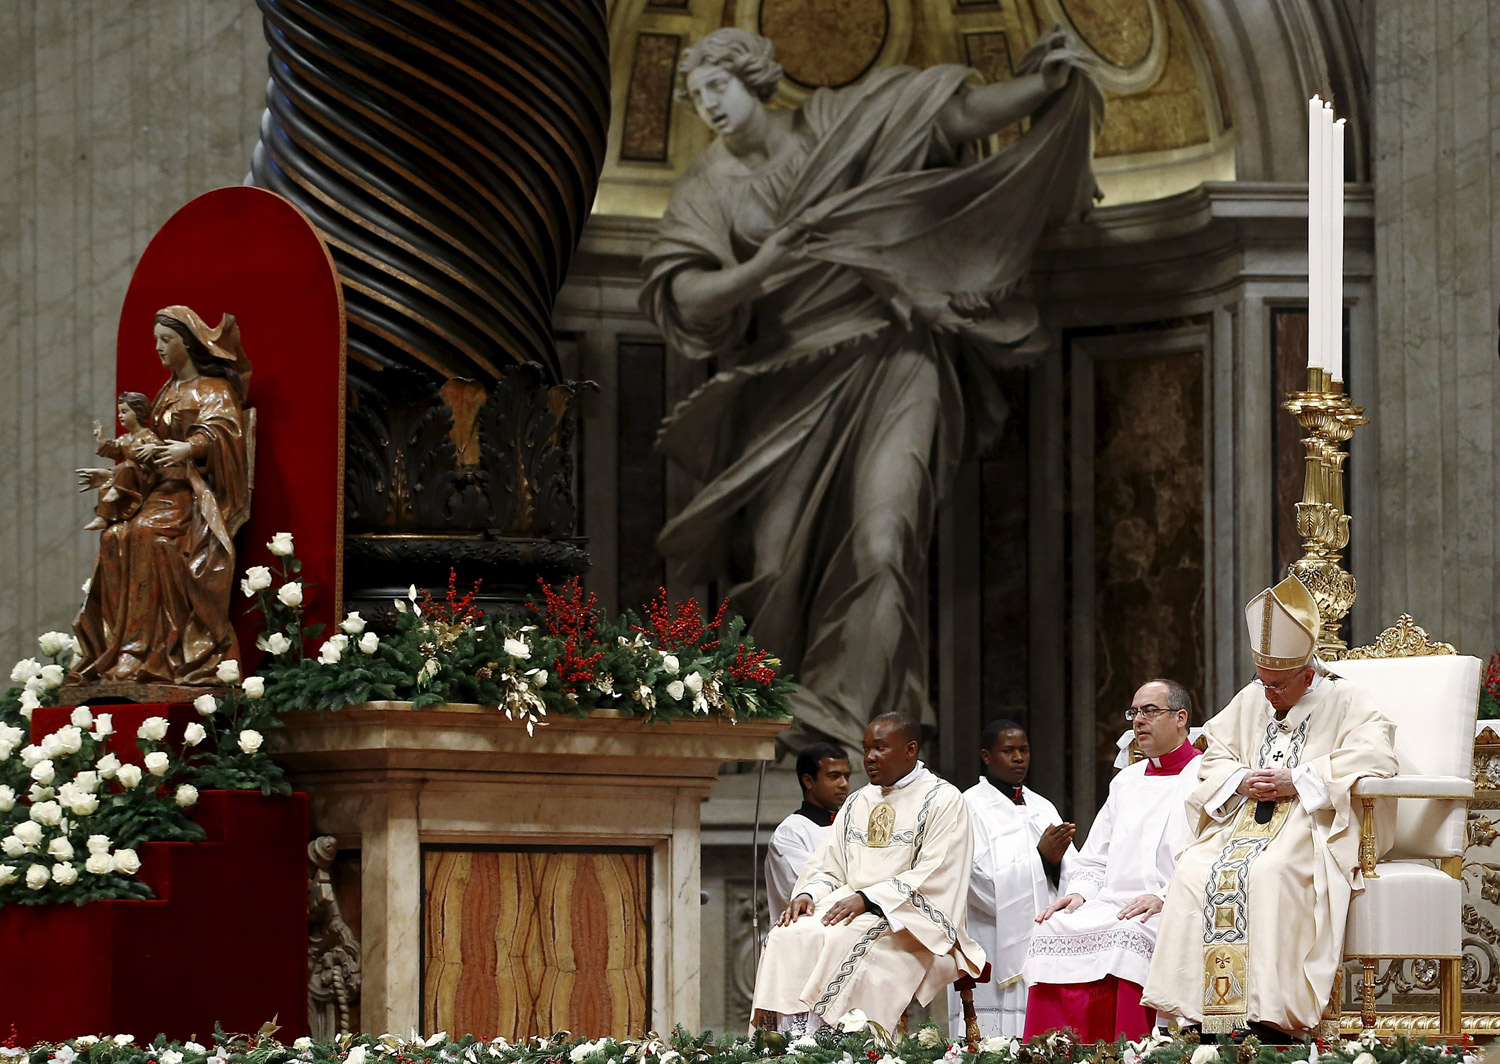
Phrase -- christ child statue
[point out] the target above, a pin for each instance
(132, 478)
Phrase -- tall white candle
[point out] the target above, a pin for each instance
(1336, 271)
(1316, 232)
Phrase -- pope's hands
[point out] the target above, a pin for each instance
(802, 905)
(845, 910)
(1267, 784)
(1067, 903)
(1146, 906)
(1054, 842)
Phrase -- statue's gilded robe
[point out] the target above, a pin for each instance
(1253, 926)
(919, 880)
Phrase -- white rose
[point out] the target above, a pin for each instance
(12, 846)
(64, 874)
(104, 726)
(87, 781)
(257, 578)
(157, 763)
(51, 747)
(290, 594)
(695, 684)
(108, 765)
(354, 623)
(69, 740)
(275, 643)
(99, 843)
(186, 795)
(47, 813)
(26, 669)
(153, 728)
(129, 776)
(7, 798)
(250, 740)
(39, 793)
(29, 832)
(43, 772)
(83, 804)
(29, 702)
(675, 689)
(356, 1055)
(37, 876)
(517, 648)
(205, 705)
(1363, 1058)
(670, 664)
(194, 734)
(169, 1056)
(255, 686)
(1205, 1053)
(228, 671)
(368, 643)
(127, 862)
(929, 1037)
(36, 685)
(55, 644)
(81, 717)
(302, 1043)
(330, 653)
(280, 544)
(60, 848)
(7, 875)
(99, 864)
(539, 677)
(32, 755)
(52, 676)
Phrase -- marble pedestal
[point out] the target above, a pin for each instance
(415, 791)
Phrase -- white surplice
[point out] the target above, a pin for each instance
(793, 844)
(1008, 888)
(1131, 850)
(918, 879)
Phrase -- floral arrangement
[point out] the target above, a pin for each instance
(850, 1043)
(72, 814)
(1489, 689)
(559, 654)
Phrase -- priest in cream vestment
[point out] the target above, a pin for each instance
(1253, 926)
(878, 915)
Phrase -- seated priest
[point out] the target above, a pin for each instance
(1254, 922)
(1091, 950)
(823, 770)
(878, 915)
(1022, 848)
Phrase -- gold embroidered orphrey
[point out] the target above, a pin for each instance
(882, 826)
(1226, 930)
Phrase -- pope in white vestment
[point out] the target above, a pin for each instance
(1253, 929)
(879, 915)
(1011, 881)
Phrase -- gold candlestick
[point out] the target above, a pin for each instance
(1329, 419)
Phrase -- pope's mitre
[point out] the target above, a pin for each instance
(1283, 624)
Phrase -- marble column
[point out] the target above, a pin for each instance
(1437, 244)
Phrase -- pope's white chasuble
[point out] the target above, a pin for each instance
(919, 879)
(1008, 887)
(1130, 851)
(1253, 927)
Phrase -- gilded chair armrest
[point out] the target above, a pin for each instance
(1414, 786)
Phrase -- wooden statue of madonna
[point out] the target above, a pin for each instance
(157, 607)
(852, 266)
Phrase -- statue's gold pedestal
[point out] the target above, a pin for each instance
(513, 884)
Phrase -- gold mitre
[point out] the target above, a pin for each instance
(1283, 624)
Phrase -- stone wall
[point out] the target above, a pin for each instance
(1437, 243)
(116, 114)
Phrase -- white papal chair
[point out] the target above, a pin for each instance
(1412, 903)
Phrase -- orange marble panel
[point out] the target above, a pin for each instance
(1171, 113)
(524, 942)
(805, 32)
(648, 102)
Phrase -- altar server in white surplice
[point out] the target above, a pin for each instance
(1022, 848)
(878, 915)
(823, 771)
(1253, 931)
(1092, 947)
